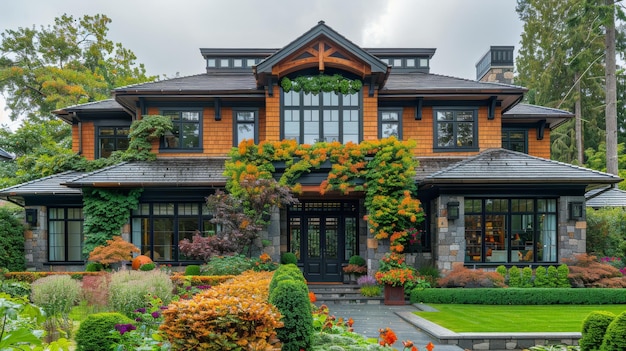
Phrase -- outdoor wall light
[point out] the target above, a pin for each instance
(31, 216)
(453, 210)
(576, 210)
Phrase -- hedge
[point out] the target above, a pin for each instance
(519, 296)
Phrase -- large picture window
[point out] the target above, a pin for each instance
(456, 129)
(186, 132)
(510, 230)
(65, 234)
(310, 118)
(157, 228)
(112, 139)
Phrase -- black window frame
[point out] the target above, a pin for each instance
(178, 126)
(115, 137)
(398, 122)
(236, 123)
(65, 220)
(455, 123)
(506, 139)
(321, 107)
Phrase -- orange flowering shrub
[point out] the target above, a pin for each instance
(179, 279)
(387, 337)
(396, 276)
(235, 315)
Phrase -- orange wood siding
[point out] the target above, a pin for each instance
(85, 134)
(271, 125)
(539, 148)
(370, 115)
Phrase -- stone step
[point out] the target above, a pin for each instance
(341, 294)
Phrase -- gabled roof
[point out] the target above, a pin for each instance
(501, 166)
(321, 29)
(5, 155)
(529, 113)
(187, 172)
(606, 197)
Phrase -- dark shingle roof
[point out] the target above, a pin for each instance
(507, 167)
(171, 172)
(428, 82)
(102, 105)
(50, 185)
(204, 83)
(606, 197)
(527, 110)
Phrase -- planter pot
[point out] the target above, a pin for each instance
(394, 295)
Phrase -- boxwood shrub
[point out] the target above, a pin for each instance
(594, 328)
(96, 331)
(615, 336)
(519, 296)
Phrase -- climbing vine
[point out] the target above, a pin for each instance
(107, 210)
(383, 169)
(322, 83)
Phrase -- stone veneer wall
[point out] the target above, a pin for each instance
(36, 241)
(499, 75)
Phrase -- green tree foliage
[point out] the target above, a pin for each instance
(596, 159)
(606, 228)
(291, 297)
(51, 67)
(563, 40)
(68, 63)
(11, 241)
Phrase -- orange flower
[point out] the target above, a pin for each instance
(350, 322)
(387, 336)
(312, 297)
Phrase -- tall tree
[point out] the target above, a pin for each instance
(611, 87)
(41, 70)
(68, 63)
(562, 47)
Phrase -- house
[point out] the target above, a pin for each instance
(5, 156)
(490, 192)
(606, 197)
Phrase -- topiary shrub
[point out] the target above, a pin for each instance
(515, 277)
(501, 269)
(291, 297)
(357, 260)
(615, 336)
(593, 330)
(192, 269)
(562, 277)
(286, 272)
(552, 277)
(541, 278)
(288, 257)
(11, 242)
(147, 267)
(94, 333)
(527, 277)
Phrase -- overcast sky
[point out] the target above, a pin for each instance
(166, 35)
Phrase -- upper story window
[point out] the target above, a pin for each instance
(111, 139)
(186, 132)
(389, 123)
(456, 128)
(406, 62)
(515, 139)
(309, 118)
(231, 62)
(246, 126)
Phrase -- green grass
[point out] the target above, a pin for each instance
(491, 318)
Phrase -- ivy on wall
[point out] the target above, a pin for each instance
(322, 83)
(383, 169)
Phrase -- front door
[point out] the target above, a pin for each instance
(323, 236)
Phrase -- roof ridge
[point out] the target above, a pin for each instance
(160, 80)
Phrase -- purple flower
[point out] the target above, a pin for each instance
(203, 287)
(141, 310)
(138, 319)
(156, 314)
(163, 307)
(188, 288)
(123, 328)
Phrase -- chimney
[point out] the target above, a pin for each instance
(496, 66)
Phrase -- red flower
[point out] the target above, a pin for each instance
(387, 336)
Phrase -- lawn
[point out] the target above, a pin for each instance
(490, 318)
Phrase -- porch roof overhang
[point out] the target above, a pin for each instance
(502, 168)
(165, 172)
(43, 187)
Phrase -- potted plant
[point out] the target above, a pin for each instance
(355, 268)
(394, 274)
